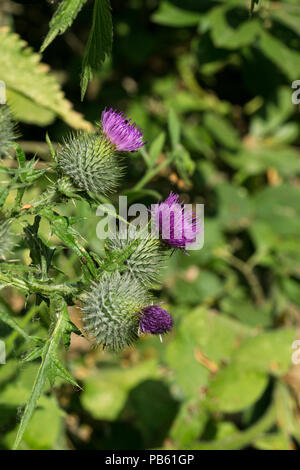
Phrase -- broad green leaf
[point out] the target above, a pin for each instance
(235, 388)
(267, 352)
(189, 423)
(39, 436)
(23, 73)
(28, 111)
(227, 36)
(64, 16)
(202, 332)
(99, 43)
(106, 391)
(279, 207)
(235, 207)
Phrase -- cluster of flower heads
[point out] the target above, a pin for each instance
(118, 307)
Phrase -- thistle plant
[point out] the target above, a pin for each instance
(7, 131)
(116, 292)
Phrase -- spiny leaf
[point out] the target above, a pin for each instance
(49, 367)
(63, 18)
(61, 227)
(99, 43)
(22, 72)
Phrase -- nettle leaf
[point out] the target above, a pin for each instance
(99, 43)
(64, 16)
(24, 75)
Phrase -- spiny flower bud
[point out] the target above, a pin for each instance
(122, 133)
(91, 163)
(155, 320)
(6, 238)
(112, 310)
(7, 131)
(141, 256)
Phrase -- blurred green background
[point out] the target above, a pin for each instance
(211, 87)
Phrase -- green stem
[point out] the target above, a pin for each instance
(150, 174)
(38, 287)
(241, 439)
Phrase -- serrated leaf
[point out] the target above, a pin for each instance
(21, 70)
(99, 43)
(64, 16)
(49, 367)
(58, 370)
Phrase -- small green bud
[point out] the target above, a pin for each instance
(141, 257)
(112, 310)
(91, 162)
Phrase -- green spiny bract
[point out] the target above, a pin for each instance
(6, 238)
(91, 162)
(143, 259)
(112, 310)
(7, 131)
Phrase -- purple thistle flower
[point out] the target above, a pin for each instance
(176, 226)
(122, 133)
(155, 320)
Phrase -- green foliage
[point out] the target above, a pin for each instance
(63, 17)
(7, 131)
(99, 43)
(28, 79)
(112, 309)
(210, 83)
(91, 163)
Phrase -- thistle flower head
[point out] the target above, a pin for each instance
(142, 257)
(6, 238)
(176, 226)
(112, 310)
(91, 163)
(121, 132)
(7, 131)
(155, 320)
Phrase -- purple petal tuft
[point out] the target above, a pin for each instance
(177, 227)
(155, 320)
(123, 133)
